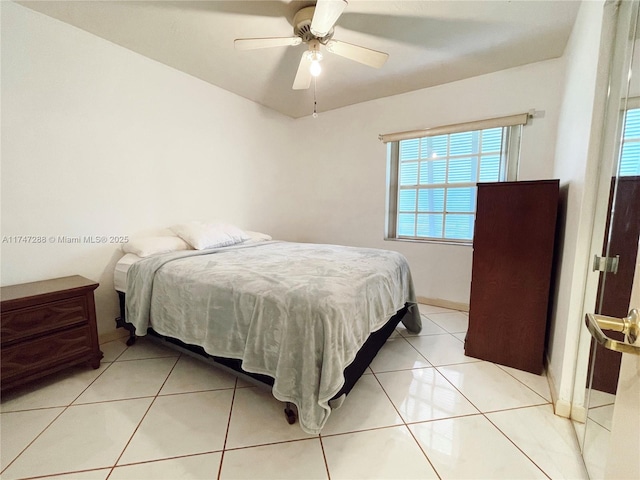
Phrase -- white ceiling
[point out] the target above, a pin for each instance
(428, 42)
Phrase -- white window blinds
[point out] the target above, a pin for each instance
(630, 152)
(432, 178)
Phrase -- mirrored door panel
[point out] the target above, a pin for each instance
(620, 191)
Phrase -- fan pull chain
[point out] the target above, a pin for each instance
(315, 102)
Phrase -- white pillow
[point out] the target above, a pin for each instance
(147, 246)
(209, 235)
(258, 237)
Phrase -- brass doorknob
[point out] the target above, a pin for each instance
(629, 325)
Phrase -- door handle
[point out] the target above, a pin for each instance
(629, 325)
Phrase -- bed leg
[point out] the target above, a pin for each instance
(290, 413)
(120, 323)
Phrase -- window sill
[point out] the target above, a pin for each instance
(436, 242)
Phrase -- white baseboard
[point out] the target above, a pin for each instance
(579, 413)
(438, 302)
(562, 408)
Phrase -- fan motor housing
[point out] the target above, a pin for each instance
(302, 26)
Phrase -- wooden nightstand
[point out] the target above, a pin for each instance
(47, 326)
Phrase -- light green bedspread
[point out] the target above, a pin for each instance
(296, 312)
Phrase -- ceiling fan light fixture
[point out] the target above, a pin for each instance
(315, 68)
(314, 56)
(314, 26)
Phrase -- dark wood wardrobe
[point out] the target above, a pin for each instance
(513, 248)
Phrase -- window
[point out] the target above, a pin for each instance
(630, 155)
(432, 179)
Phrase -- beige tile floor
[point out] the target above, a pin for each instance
(422, 410)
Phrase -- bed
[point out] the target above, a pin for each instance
(306, 319)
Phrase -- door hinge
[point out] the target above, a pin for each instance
(606, 264)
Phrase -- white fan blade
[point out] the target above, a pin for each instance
(303, 77)
(254, 43)
(326, 15)
(373, 58)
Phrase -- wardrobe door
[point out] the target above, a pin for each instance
(512, 261)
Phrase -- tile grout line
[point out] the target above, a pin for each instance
(417, 351)
(515, 445)
(597, 423)
(74, 399)
(133, 434)
(146, 358)
(120, 354)
(60, 475)
(480, 412)
(484, 414)
(517, 379)
(545, 401)
(324, 456)
(444, 313)
(423, 452)
(421, 368)
(404, 422)
(441, 334)
(226, 435)
(277, 442)
(457, 389)
(64, 409)
(406, 425)
(158, 460)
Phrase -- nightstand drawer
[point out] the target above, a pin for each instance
(47, 326)
(45, 354)
(31, 321)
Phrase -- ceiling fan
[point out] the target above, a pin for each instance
(314, 26)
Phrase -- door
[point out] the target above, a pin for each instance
(621, 246)
(625, 427)
(621, 189)
(612, 436)
(617, 229)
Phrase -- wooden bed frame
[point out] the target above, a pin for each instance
(351, 374)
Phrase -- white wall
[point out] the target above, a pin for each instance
(340, 172)
(98, 140)
(577, 160)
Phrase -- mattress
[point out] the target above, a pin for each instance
(297, 313)
(121, 269)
